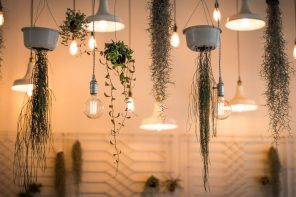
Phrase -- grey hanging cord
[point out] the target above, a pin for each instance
(295, 17)
(38, 13)
(93, 34)
(130, 23)
(175, 12)
(115, 32)
(31, 13)
(238, 55)
(195, 8)
(74, 5)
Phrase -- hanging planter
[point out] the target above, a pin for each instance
(276, 71)
(119, 64)
(203, 96)
(201, 37)
(40, 38)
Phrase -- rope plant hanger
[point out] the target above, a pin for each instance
(34, 135)
(120, 65)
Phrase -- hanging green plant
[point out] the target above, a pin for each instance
(171, 185)
(60, 175)
(275, 169)
(201, 107)
(119, 64)
(276, 71)
(160, 25)
(152, 186)
(32, 189)
(33, 128)
(74, 28)
(77, 164)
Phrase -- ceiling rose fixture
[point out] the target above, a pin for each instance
(245, 20)
(156, 121)
(103, 20)
(241, 103)
(24, 84)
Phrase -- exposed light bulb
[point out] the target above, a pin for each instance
(92, 43)
(73, 48)
(30, 91)
(175, 40)
(1, 18)
(102, 25)
(294, 51)
(217, 15)
(130, 105)
(94, 108)
(223, 110)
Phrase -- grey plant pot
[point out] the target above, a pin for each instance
(201, 37)
(40, 38)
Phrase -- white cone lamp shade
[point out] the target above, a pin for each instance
(156, 121)
(240, 103)
(103, 20)
(24, 84)
(245, 20)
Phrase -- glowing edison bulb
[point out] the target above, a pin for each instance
(217, 15)
(102, 25)
(130, 105)
(223, 110)
(294, 51)
(1, 18)
(94, 108)
(92, 43)
(175, 39)
(73, 48)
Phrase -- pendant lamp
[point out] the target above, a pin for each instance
(157, 121)
(24, 84)
(241, 103)
(245, 20)
(104, 21)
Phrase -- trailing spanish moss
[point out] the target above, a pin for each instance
(77, 164)
(276, 72)
(275, 169)
(33, 128)
(60, 175)
(160, 24)
(201, 107)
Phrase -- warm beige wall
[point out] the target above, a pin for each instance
(69, 76)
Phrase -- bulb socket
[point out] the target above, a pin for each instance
(93, 86)
(220, 89)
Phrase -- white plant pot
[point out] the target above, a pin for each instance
(40, 38)
(201, 37)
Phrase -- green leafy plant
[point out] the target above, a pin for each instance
(201, 106)
(32, 189)
(152, 183)
(60, 175)
(275, 169)
(119, 64)
(160, 25)
(34, 134)
(171, 184)
(73, 27)
(77, 164)
(276, 71)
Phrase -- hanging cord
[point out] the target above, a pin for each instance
(175, 13)
(219, 61)
(38, 13)
(1, 7)
(31, 13)
(205, 10)
(295, 17)
(217, 7)
(74, 5)
(238, 48)
(93, 34)
(130, 23)
(115, 32)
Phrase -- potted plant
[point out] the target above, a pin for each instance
(152, 186)
(73, 28)
(171, 185)
(77, 165)
(203, 95)
(32, 189)
(275, 171)
(119, 64)
(276, 71)
(60, 175)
